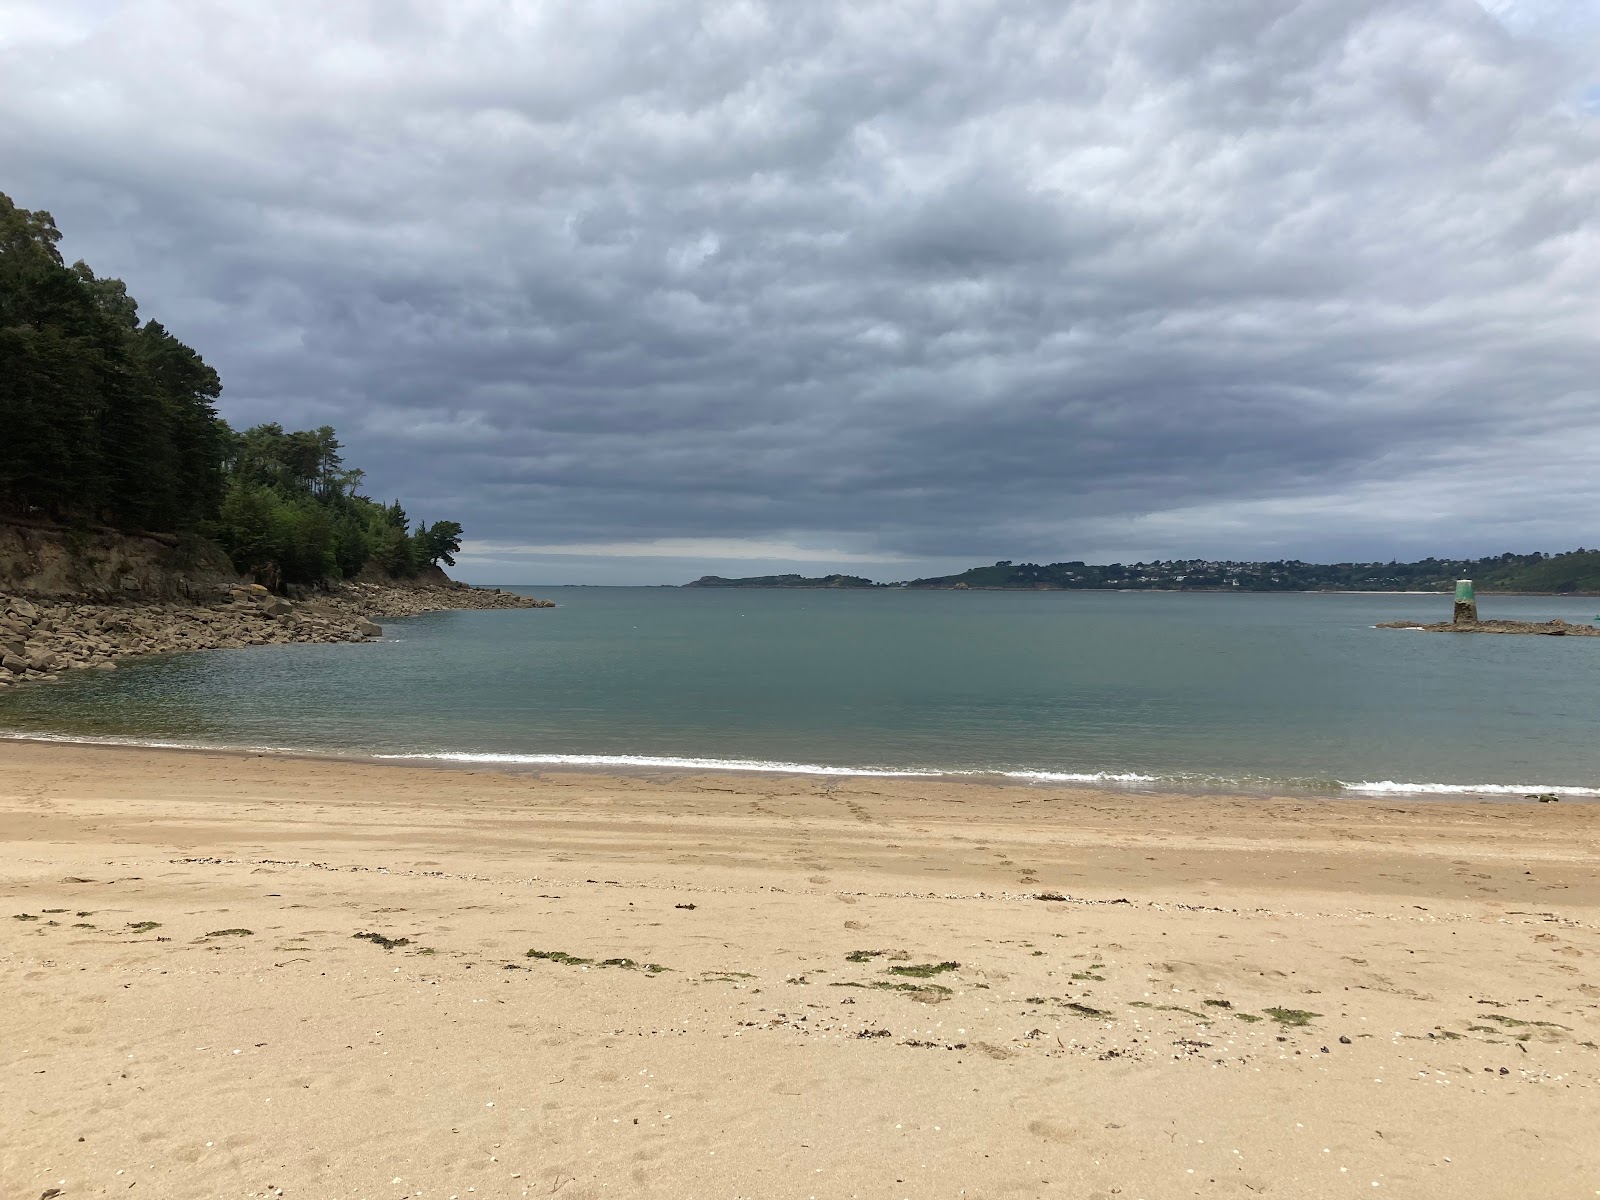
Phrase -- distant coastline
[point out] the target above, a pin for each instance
(786, 581)
(1160, 591)
(1573, 573)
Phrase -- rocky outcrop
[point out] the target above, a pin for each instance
(1555, 628)
(40, 639)
(44, 560)
(381, 600)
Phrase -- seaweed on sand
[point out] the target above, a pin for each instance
(560, 956)
(573, 960)
(1291, 1017)
(388, 943)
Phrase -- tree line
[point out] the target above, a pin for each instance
(112, 420)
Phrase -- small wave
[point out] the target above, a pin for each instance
(1388, 787)
(649, 760)
(770, 766)
(1072, 776)
(139, 743)
(1134, 779)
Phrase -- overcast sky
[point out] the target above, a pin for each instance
(647, 289)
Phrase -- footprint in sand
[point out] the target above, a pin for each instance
(1053, 1131)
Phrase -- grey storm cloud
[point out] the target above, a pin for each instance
(868, 280)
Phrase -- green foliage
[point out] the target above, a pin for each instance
(438, 542)
(393, 550)
(247, 526)
(291, 513)
(1576, 571)
(303, 537)
(107, 419)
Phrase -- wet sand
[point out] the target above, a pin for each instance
(769, 986)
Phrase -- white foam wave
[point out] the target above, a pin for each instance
(1073, 776)
(763, 766)
(651, 760)
(137, 743)
(1388, 787)
(1383, 787)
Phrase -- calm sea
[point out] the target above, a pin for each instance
(1257, 691)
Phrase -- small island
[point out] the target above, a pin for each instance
(1465, 620)
(1555, 628)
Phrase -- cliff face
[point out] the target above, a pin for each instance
(41, 560)
(429, 576)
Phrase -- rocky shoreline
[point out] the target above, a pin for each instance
(1555, 628)
(43, 637)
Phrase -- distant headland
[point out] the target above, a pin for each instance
(1576, 572)
(785, 581)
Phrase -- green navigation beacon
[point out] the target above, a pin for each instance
(1466, 603)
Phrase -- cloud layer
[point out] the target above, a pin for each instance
(867, 281)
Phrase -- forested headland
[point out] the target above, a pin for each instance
(1574, 571)
(1577, 571)
(107, 420)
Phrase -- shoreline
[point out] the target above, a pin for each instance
(115, 633)
(752, 773)
(231, 974)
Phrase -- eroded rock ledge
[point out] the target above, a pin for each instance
(1555, 628)
(41, 639)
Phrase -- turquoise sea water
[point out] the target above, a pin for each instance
(1269, 691)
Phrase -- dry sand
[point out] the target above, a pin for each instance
(188, 1010)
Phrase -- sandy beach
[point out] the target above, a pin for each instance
(245, 976)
